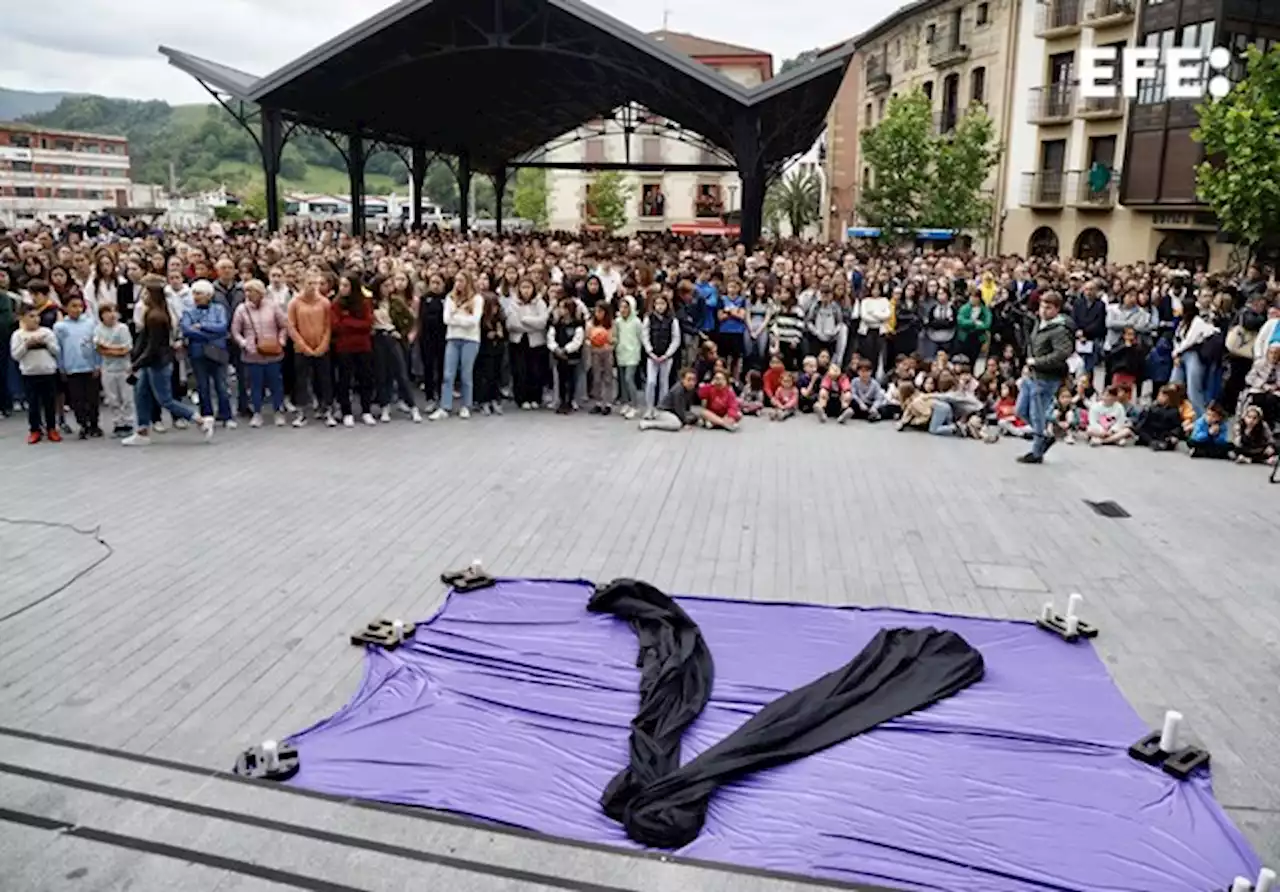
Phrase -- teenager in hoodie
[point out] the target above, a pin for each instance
(679, 407)
(627, 349)
(527, 317)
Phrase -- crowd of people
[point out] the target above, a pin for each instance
(312, 325)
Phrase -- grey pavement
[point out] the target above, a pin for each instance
(238, 569)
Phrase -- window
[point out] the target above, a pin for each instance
(67, 169)
(957, 18)
(1152, 91)
(707, 202)
(1053, 155)
(866, 178)
(652, 202)
(93, 171)
(92, 148)
(67, 193)
(869, 117)
(22, 167)
(1060, 67)
(64, 145)
(978, 85)
(930, 33)
(983, 15)
(927, 89)
(950, 102)
(880, 110)
(1102, 150)
(21, 140)
(25, 191)
(897, 48)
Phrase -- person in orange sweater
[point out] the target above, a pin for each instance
(310, 327)
(351, 318)
(719, 403)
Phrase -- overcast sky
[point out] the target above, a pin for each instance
(109, 47)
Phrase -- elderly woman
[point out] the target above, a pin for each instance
(205, 326)
(1263, 383)
(260, 329)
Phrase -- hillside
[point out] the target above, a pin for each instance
(16, 104)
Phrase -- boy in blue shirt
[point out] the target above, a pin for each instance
(78, 364)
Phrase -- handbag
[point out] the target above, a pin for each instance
(216, 354)
(264, 348)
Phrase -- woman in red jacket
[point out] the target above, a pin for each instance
(352, 315)
(719, 403)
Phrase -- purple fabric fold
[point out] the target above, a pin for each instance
(513, 705)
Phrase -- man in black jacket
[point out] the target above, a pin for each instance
(1048, 349)
(1089, 316)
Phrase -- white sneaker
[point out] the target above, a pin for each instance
(289, 406)
(230, 424)
(438, 415)
(405, 407)
(526, 406)
(330, 421)
(368, 419)
(497, 408)
(348, 421)
(487, 408)
(464, 413)
(386, 415)
(206, 426)
(159, 428)
(280, 422)
(181, 424)
(136, 440)
(300, 421)
(416, 415)
(255, 421)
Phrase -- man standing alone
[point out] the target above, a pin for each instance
(1050, 346)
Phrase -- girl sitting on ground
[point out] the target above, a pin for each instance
(1160, 426)
(720, 407)
(753, 394)
(917, 407)
(834, 396)
(1066, 418)
(1255, 444)
(785, 398)
(1006, 411)
(1108, 420)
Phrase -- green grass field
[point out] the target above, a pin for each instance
(239, 175)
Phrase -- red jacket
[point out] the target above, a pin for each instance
(720, 401)
(352, 334)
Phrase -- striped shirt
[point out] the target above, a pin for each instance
(788, 327)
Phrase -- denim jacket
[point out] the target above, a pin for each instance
(212, 319)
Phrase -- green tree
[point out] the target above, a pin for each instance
(803, 58)
(797, 198)
(899, 152)
(608, 203)
(255, 204)
(962, 160)
(1240, 133)
(530, 196)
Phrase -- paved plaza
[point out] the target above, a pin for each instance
(236, 571)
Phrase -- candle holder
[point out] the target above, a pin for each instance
(384, 633)
(1068, 627)
(259, 763)
(471, 579)
(1161, 748)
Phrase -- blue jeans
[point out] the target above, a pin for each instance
(1035, 398)
(211, 378)
(154, 384)
(271, 375)
(1090, 359)
(755, 353)
(459, 360)
(1191, 372)
(942, 421)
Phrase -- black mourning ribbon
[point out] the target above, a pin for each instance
(664, 805)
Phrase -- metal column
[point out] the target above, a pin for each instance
(272, 147)
(464, 192)
(355, 171)
(418, 171)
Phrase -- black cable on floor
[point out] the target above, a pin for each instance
(97, 537)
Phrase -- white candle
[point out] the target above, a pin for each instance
(1169, 734)
(1046, 613)
(1240, 884)
(476, 566)
(271, 750)
(1266, 879)
(398, 628)
(1073, 604)
(1073, 625)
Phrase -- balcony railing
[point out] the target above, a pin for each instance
(1108, 13)
(1058, 18)
(878, 79)
(1051, 104)
(1094, 191)
(1044, 189)
(1097, 108)
(947, 49)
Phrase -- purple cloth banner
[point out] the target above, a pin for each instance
(513, 705)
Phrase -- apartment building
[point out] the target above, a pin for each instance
(690, 203)
(1115, 178)
(46, 173)
(957, 52)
